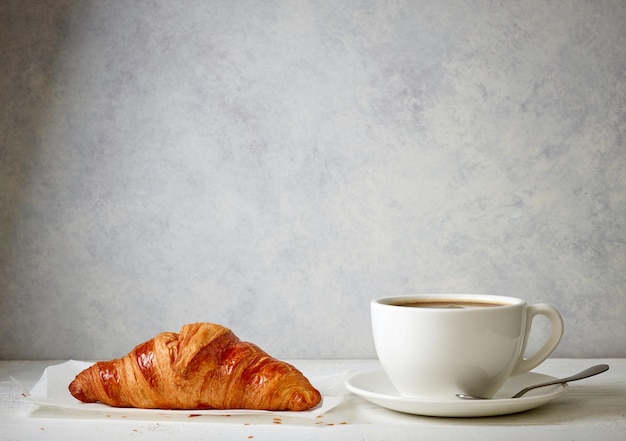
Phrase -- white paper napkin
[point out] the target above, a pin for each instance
(52, 391)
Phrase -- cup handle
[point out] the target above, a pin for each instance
(556, 332)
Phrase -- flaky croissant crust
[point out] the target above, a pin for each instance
(204, 366)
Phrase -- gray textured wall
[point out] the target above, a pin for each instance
(274, 165)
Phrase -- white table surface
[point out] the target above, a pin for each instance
(592, 409)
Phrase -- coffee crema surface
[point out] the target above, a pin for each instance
(448, 304)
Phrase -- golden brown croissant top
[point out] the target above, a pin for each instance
(205, 366)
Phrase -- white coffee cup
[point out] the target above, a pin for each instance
(435, 351)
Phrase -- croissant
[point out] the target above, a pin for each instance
(205, 366)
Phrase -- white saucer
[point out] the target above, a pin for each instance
(376, 387)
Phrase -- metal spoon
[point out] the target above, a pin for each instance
(594, 370)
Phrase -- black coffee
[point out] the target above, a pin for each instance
(448, 304)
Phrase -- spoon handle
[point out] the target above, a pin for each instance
(594, 370)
